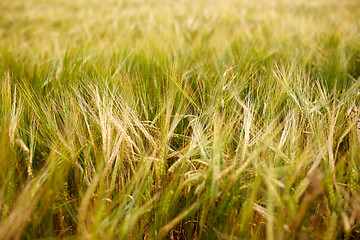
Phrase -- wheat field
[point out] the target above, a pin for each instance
(189, 119)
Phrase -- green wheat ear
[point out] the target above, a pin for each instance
(331, 194)
(167, 202)
(354, 180)
(9, 200)
(203, 217)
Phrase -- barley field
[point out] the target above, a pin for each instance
(188, 119)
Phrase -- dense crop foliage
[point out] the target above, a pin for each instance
(179, 119)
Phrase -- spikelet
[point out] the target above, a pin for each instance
(175, 165)
(354, 180)
(167, 202)
(10, 197)
(331, 194)
(300, 189)
(162, 167)
(24, 148)
(234, 198)
(225, 203)
(330, 231)
(203, 216)
(65, 190)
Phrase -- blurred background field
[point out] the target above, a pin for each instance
(179, 119)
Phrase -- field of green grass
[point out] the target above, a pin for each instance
(189, 119)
